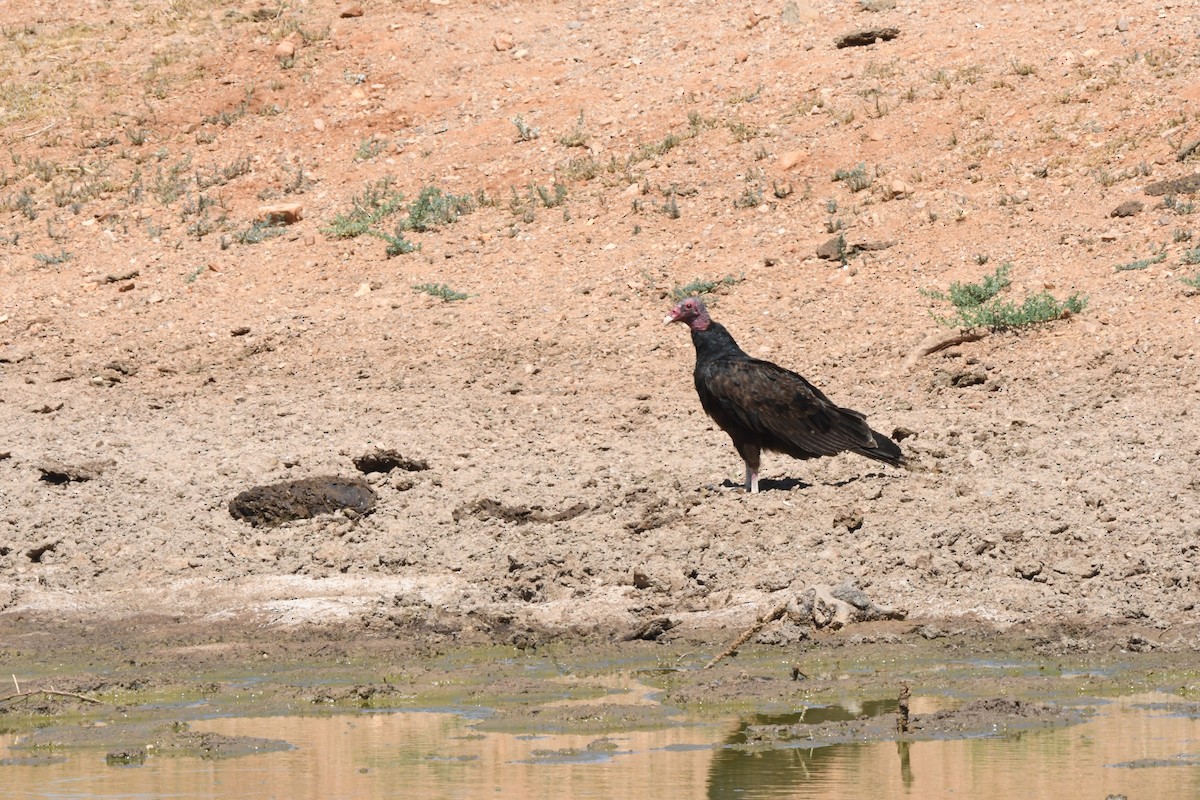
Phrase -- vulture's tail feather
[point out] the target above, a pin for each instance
(885, 450)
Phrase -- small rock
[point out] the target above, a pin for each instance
(796, 13)
(849, 593)
(350, 12)
(318, 124)
(897, 189)
(11, 355)
(1122, 24)
(1140, 644)
(789, 159)
(962, 380)
(1127, 209)
(503, 41)
(1028, 570)
(283, 214)
(285, 50)
(834, 249)
(1110, 236)
(740, 57)
(930, 632)
(849, 518)
(1078, 569)
(652, 630)
(46, 408)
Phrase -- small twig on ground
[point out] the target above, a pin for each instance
(940, 341)
(43, 129)
(774, 614)
(32, 692)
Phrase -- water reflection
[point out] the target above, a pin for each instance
(434, 755)
(769, 772)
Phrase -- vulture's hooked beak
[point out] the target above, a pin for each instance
(672, 317)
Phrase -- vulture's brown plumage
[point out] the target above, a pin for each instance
(763, 406)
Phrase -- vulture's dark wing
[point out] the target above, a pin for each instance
(762, 402)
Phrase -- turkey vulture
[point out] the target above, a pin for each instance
(763, 406)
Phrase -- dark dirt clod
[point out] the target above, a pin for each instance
(56, 472)
(849, 518)
(866, 37)
(487, 508)
(1186, 185)
(651, 630)
(388, 460)
(301, 499)
(130, 755)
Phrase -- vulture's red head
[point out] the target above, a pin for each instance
(692, 312)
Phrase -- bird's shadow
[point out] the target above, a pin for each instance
(771, 484)
(788, 484)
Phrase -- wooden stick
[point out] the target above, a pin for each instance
(940, 341)
(774, 614)
(32, 692)
(55, 122)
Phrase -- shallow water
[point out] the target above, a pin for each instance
(1140, 747)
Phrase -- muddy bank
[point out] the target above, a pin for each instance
(992, 717)
(564, 685)
(131, 743)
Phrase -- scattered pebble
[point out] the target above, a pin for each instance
(282, 214)
(789, 159)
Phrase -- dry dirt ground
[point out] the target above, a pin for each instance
(160, 352)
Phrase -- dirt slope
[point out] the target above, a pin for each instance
(157, 341)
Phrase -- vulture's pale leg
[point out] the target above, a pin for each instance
(751, 480)
(751, 454)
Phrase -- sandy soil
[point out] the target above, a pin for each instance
(160, 354)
